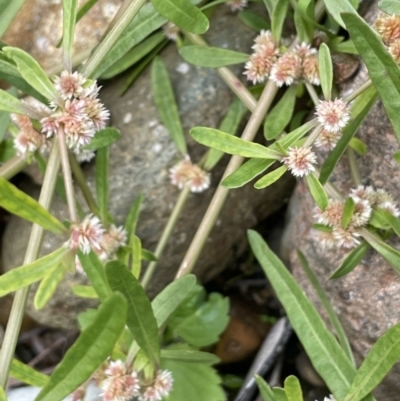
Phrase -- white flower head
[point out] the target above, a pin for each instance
(29, 141)
(300, 161)
(163, 382)
(69, 85)
(332, 215)
(287, 69)
(237, 5)
(171, 31)
(346, 238)
(333, 115)
(362, 212)
(327, 140)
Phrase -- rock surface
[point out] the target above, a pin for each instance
(139, 163)
(368, 299)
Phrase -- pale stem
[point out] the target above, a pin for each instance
(76, 60)
(313, 136)
(173, 218)
(221, 193)
(12, 167)
(81, 181)
(110, 39)
(32, 252)
(354, 170)
(66, 169)
(313, 94)
(357, 92)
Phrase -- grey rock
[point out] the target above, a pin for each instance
(139, 163)
(368, 299)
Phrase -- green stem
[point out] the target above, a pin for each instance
(12, 167)
(313, 94)
(32, 252)
(313, 136)
(357, 92)
(81, 181)
(221, 193)
(354, 170)
(110, 39)
(173, 218)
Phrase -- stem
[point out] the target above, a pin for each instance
(358, 91)
(81, 181)
(76, 60)
(32, 252)
(66, 168)
(12, 167)
(173, 218)
(115, 32)
(312, 92)
(354, 170)
(221, 193)
(313, 136)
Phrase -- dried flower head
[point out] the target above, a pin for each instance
(388, 26)
(287, 69)
(310, 69)
(362, 212)
(163, 382)
(333, 114)
(113, 238)
(21, 120)
(394, 50)
(257, 68)
(300, 161)
(326, 239)
(364, 192)
(83, 155)
(150, 394)
(69, 85)
(29, 141)
(265, 39)
(171, 31)
(346, 238)
(332, 215)
(185, 172)
(327, 140)
(385, 201)
(237, 5)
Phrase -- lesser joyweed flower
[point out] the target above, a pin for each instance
(171, 31)
(237, 5)
(333, 115)
(300, 161)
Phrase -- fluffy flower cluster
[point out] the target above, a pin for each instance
(237, 5)
(333, 115)
(300, 161)
(388, 26)
(286, 69)
(185, 172)
(79, 112)
(365, 200)
(122, 384)
(327, 140)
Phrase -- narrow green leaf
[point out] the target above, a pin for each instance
(317, 191)
(89, 351)
(351, 262)
(2, 395)
(165, 303)
(132, 219)
(8, 11)
(358, 145)
(7, 149)
(22, 205)
(378, 221)
(327, 357)
(279, 394)
(103, 138)
(271, 177)
(23, 276)
(48, 285)
(376, 365)
(246, 172)
(293, 389)
(340, 333)
(279, 117)
(348, 211)
(232, 145)
(27, 374)
(292, 137)
(167, 108)
(183, 14)
(266, 392)
(102, 181)
(190, 356)
(85, 291)
(278, 17)
(140, 318)
(148, 255)
(85, 8)
(393, 221)
(270, 5)
(337, 7)
(136, 256)
(212, 57)
(10, 103)
(359, 110)
(32, 72)
(253, 21)
(304, 19)
(325, 69)
(69, 18)
(390, 6)
(383, 70)
(397, 156)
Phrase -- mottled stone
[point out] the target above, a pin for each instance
(368, 299)
(139, 163)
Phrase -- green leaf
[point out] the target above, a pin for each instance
(325, 70)
(8, 11)
(246, 172)
(167, 108)
(337, 7)
(279, 394)
(183, 14)
(85, 291)
(103, 138)
(89, 351)
(397, 156)
(189, 356)
(69, 18)
(32, 72)
(102, 157)
(212, 57)
(393, 221)
(291, 138)
(270, 5)
(149, 256)
(340, 333)
(232, 145)
(25, 275)
(327, 357)
(11, 104)
(278, 18)
(376, 365)
(2, 395)
(266, 392)
(304, 19)
(279, 117)
(348, 211)
(253, 21)
(359, 110)
(140, 318)
(293, 389)
(28, 375)
(351, 262)
(94, 269)
(22, 205)
(166, 302)
(358, 145)
(136, 257)
(383, 70)
(48, 285)
(317, 191)
(270, 178)
(7, 150)
(133, 216)
(390, 6)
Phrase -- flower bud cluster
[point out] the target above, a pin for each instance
(333, 115)
(122, 384)
(237, 5)
(365, 200)
(300, 161)
(388, 26)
